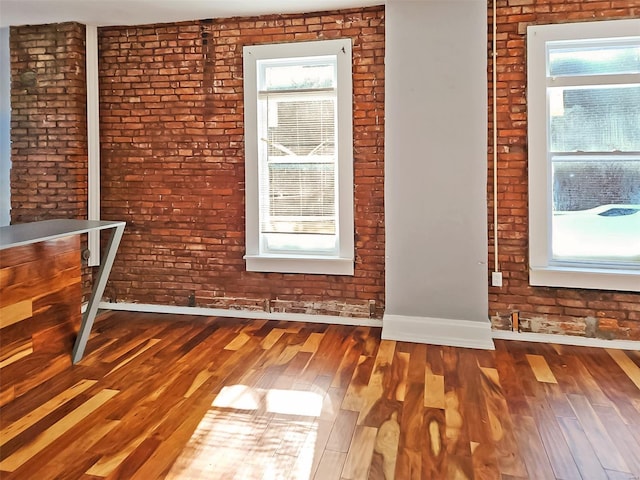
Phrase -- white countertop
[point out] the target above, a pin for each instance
(27, 233)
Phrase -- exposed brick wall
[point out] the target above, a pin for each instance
(49, 125)
(48, 122)
(173, 163)
(172, 146)
(591, 313)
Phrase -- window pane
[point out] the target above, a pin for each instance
(297, 77)
(596, 210)
(298, 190)
(301, 198)
(300, 126)
(603, 119)
(299, 242)
(596, 60)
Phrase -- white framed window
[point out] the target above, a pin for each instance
(584, 154)
(299, 157)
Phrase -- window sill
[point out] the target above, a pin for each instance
(592, 278)
(299, 264)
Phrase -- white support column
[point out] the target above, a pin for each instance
(436, 173)
(5, 128)
(93, 140)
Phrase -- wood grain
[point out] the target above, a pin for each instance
(358, 460)
(433, 391)
(162, 396)
(597, 434)
(541, 369)
(627, 365)
(554, 442)
(40, 299)
(331, 465)
(50, 435)
(581, 450)
(34, 416)
(16, 312)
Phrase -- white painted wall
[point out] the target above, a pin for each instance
(5, 126)
(436, 168)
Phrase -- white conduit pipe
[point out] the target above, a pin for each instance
(496, 267)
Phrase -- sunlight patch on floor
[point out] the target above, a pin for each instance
(252, 433)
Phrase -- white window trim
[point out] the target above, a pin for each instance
(542, 271)
(257, 261)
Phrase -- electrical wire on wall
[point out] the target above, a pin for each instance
(494, 55)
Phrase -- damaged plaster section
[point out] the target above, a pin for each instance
(589, 327)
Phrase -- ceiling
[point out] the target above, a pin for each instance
(139, 12)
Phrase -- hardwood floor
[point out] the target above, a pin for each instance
(157, 396)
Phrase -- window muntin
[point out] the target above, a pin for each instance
(299, 157)
(585, 188)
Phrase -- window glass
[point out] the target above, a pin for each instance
(301, 198)
(595, 60)
(297, 131)
(596, 189)
(300, 125)
(599, 119)
(583, 100)
(300, 76)
(596, 210)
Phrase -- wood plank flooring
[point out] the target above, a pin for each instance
(161, 396)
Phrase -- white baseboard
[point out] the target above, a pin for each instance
(438, 331)
(566, 340)
(251, 314)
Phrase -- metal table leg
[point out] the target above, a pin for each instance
(96, 295)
